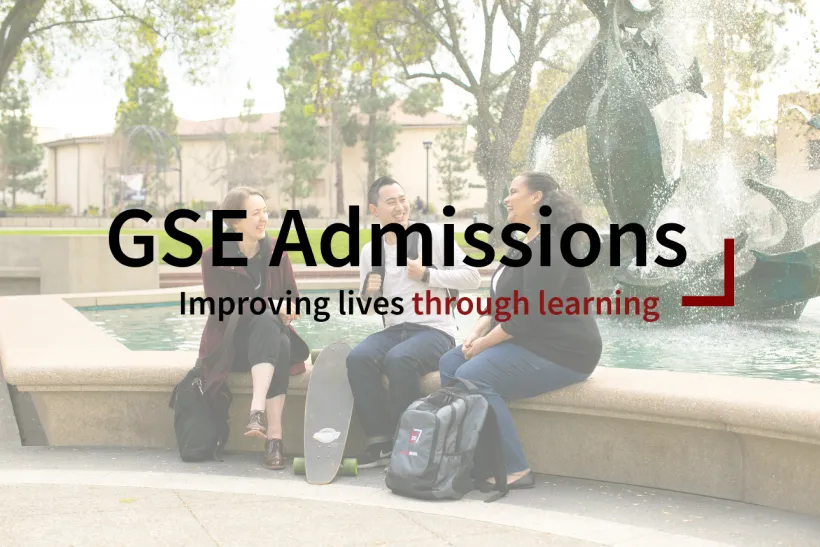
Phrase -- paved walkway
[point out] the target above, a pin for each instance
(89, 497)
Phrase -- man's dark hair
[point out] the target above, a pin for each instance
(373, 191)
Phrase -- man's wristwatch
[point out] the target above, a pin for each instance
(425, 277)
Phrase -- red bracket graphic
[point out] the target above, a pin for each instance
(728, 296)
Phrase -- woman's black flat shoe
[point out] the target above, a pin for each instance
(527, 481)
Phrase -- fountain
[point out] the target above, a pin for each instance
(629, 70)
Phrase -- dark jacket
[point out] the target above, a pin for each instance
(570, 340)
(234, 282)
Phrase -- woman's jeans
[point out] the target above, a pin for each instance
(504, 372)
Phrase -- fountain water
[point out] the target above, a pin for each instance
(630, 93)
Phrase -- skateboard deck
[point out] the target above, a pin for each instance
(328, 412)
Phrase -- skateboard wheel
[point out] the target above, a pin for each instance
(350, 466)
(298, 466)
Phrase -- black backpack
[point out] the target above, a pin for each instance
(446, 445)
(202, 421)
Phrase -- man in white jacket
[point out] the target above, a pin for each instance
(410, 345)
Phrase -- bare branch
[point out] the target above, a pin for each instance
(77, 22)
(127, 15)
(512, 20)
(489, 24)
(430, 28)
(502, 77)
(549, 64)
(456, 49)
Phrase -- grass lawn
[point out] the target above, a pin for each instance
(181, 250)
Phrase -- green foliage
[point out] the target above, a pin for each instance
(20, 154)
(44, 210)
(736, 47)
(147, 103)
(355, 68)
(379, 133)
(299, 129)
(250, 150)
(38, 30)
(452, 163)
(424, 98)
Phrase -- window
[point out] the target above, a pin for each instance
(814, 155)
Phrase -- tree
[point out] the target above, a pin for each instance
(499, 98)
(322, 24)
(736, 44)
(147, 103)
(354, 70)
(378, 133)
(299, 128)
(452, 162)
(33, 30)
(21, 155)
(249, 151)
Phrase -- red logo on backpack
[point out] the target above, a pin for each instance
(415, 434)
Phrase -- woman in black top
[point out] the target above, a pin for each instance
(531, 353)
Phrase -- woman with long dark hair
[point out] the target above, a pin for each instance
(266, 345)
(531, 353)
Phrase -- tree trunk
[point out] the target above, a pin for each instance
(338, 146)
(493, 163)
(371, 158)
(370, 138)
(16, 26)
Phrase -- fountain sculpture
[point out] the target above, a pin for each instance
(619, 81)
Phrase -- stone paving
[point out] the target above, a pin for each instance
(67, 496)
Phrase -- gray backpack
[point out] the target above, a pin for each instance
(446, 445)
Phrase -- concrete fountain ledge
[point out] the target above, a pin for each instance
(749, 440)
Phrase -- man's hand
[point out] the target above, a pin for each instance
(374, 284)
(415, 269)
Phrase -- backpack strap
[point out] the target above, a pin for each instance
(471, 387)
(413, 253)
(490, 455)
(217, 361)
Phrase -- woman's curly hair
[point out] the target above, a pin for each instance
(566, 210)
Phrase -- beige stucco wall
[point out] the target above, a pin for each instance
(69, 164)
(204, 159)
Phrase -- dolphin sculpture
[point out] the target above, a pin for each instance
(777, 286)
(622, 139)
(567, 110)
(795, 212)
(811, 119)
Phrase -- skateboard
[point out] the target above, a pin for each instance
(328, 412)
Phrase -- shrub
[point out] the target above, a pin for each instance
(310, 211)
(46, 209)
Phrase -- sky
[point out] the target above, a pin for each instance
(83, 101)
